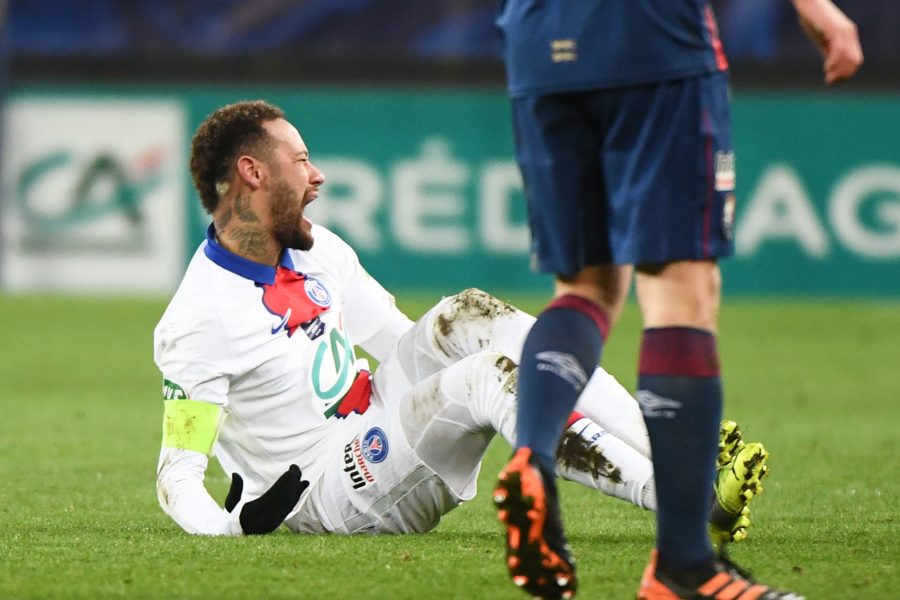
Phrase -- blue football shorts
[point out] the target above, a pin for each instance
(635, 175)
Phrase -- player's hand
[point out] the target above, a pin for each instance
(268, 512)
(834, 34)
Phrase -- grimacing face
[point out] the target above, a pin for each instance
(294, 183)
(289, 227)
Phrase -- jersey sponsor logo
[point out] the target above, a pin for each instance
(355, 466)
(297, 300)
(317, 292)
(375, 445)
(173, 391)
(313, 328)
(654, 406)
(332, 368)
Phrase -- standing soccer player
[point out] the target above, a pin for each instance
(622, 128)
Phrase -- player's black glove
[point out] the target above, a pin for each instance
(267, 513)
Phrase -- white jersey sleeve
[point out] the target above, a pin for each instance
(192, 352)
(192, 355)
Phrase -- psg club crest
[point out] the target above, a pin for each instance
(375, 445)
(297, 301)
(317, 292)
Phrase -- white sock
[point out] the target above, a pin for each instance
(593, 457)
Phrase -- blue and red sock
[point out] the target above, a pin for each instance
(680, 392)
(560, 353)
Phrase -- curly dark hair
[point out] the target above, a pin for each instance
(229, 132)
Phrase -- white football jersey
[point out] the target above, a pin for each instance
(274, 347)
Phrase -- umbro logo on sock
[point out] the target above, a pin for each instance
(564, 365)
(654, 406)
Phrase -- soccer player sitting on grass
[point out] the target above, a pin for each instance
(257, 354)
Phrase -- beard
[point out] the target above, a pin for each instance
(291, 230)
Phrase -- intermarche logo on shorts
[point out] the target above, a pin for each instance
(375, 445)
(355, 465)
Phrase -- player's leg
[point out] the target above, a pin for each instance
(562, 350)
(473, 321)
(615, 447)
(679, 363)
(595, 458)
(451, 417)
(606, 402)
(456, 327)
(674, 180)
(560, 353)
(663, 183)
(680, 393)
(408, 461)
(427, 449)
(558, 149)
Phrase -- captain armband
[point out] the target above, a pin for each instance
(190, 425)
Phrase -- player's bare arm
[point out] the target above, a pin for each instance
(834, 34)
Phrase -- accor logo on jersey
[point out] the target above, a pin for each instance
(298, 301)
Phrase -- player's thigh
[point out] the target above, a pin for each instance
(681, 293)
(606, 284)
(558, 144)
(373, 482)
(669, 168)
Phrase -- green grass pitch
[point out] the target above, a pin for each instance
(818, 383)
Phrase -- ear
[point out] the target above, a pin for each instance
(249, 170)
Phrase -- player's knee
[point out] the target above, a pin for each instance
(490, 370)
(681, 293)
(470, 307)
(501, 364)
(487, 389)
(471, 304)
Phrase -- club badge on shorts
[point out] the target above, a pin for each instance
(725, 182)
(728, 216)
(375, 445)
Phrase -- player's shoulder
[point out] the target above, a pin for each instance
(327, 239)
(329, 250)
(198, 299)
